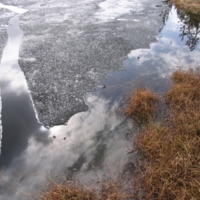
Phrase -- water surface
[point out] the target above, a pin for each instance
(91, 143)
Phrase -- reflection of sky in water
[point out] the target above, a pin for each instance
(0, 121)
(10, 73)
(90, 140)
(18, 116)
(168, 54)
(152, 67)
(9, 62)
(93, 139)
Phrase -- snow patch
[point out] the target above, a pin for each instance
(123, 19)
(14, 9)
(29, 59)
(111, 9)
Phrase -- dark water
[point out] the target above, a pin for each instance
(94, 142)
(18, 116)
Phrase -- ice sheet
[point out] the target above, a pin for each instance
(13, 8)
(111, 9)
(75, 44)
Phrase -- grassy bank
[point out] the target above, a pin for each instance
(188, 5)
(169, 148)
(166, 148)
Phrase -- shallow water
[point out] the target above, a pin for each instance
(152, 67)
(0, 120)
(91, 143)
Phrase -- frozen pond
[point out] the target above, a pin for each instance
(65, 67)
(68, 47)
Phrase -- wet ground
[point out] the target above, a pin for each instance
(75, 56)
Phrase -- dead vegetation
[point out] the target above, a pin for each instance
(113, 190)
(188, 5)
(67, 191)
(108, 190)
(169, 149)
(141, 105)
(170, 164)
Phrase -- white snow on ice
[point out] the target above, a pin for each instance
(111, 9)
(13, 9)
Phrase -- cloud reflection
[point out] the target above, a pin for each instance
(97, 132)
(169, 53)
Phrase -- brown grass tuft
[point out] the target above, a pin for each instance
(108, 190)
(141, 105)
(113, 190)
(190, 76)
(68, 191)
(171, 164)
(185, 92)
(169, 151)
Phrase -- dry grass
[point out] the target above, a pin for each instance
(185, 93)
(170, 150)
(113, 190)
(171, 164)
(141, 105)
(109, 190)
(67, 191)
(188, 5)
